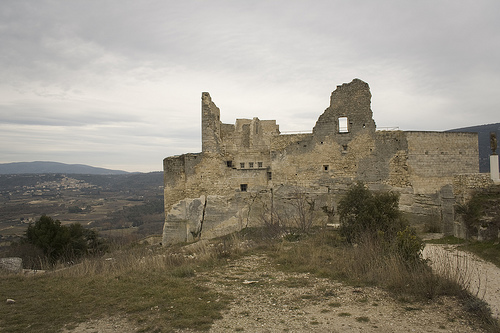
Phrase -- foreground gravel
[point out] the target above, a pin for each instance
(266, 299)
(269, 300)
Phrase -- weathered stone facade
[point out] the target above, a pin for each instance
(246, 167)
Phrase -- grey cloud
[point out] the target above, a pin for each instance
(139, 67)
(64, 114)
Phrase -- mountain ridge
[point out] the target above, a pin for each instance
(43, 167)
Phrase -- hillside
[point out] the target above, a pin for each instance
(244, 283)
(131, 202)
(483, 132)
(41, 167)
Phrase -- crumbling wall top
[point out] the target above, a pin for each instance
(349, 111)
(210, 125)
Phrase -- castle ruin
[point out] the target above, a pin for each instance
(249, 168)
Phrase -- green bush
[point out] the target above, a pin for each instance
(365, 214)
(62, 242)
(374, 218)
(74, 209)
(408, 245)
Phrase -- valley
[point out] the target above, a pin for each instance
(128, 204)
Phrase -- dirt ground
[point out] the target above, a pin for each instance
(268, 300)
(481, 277)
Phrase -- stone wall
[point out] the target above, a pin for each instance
(351, 101)
(434, 158)
(465, 184)
(210, 125)
(464, 187)
(244, 166)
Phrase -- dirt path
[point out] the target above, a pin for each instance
(481, 277)
(268, 300)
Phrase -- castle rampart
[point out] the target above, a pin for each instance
(243, 166)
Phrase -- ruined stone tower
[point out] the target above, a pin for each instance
(247, 166)
(349, 113)
(210, 125)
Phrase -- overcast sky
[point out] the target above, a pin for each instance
(118, 84)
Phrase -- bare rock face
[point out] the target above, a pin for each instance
(186, 218)
(204, 217)
(12, 264)
(222, 216)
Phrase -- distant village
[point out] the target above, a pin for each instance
(46, 188)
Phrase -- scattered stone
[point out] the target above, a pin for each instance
(249, 282)
(10, 301)
(33, 271)
(12, 264)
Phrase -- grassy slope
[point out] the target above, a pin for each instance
(158, 290)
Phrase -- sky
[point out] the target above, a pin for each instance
(118, 83)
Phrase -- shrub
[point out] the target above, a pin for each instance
(471, 213)
(302, 211)
(62, 242)
(408, 245)
(374, 219)
(362, 212)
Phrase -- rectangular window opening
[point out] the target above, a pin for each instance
(250, 165)
(242, 165)
(325, 167)
(259, 164)
(343, 125)
(243, 187)
(229, 164)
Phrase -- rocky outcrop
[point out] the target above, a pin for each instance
(204, 217)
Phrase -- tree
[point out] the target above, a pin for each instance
(61, 242)
(302, 212)
(375, 216)
(363, 213)
(48, 235)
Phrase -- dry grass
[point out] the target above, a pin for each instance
(369, 264)
(364, 264)
(157, 288)
(141, 283)
(489, 250)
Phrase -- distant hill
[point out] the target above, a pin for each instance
(483, 133)
(54, 167)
